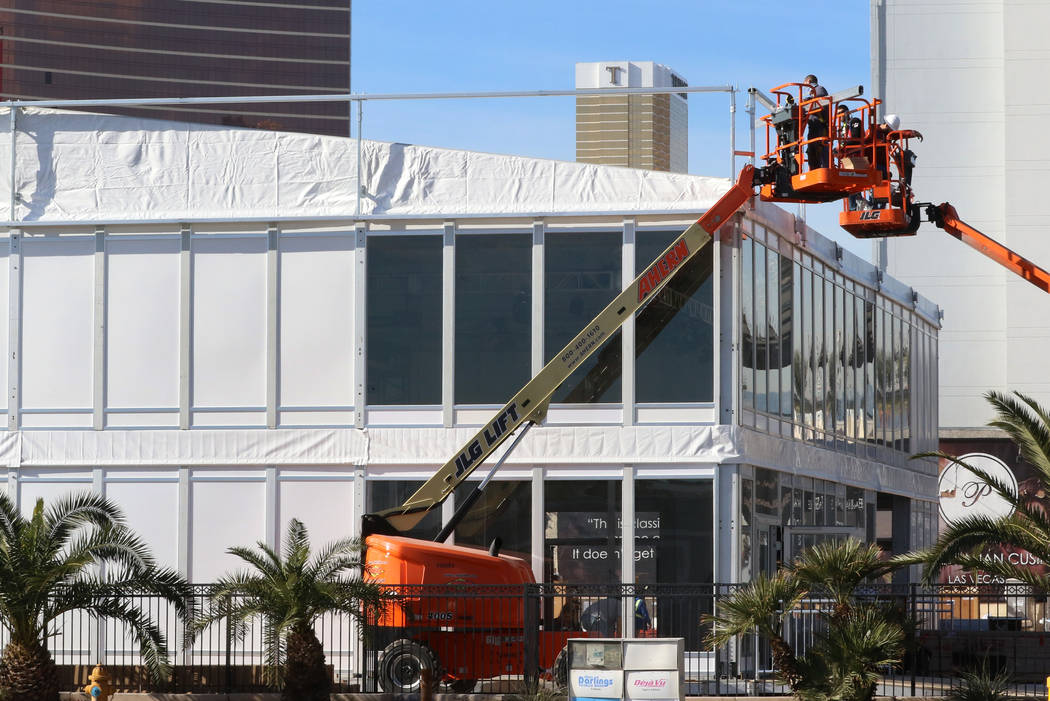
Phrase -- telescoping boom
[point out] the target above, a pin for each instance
(530, 403)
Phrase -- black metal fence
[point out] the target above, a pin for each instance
(502, 639)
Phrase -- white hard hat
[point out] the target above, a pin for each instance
(892, 121)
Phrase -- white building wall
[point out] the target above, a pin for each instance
(974, 88)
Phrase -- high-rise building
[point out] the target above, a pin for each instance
(74, 49)
(973, 91)
(637, 131)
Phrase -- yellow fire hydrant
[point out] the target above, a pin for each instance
(98, 689)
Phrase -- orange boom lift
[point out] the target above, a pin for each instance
(459, 638)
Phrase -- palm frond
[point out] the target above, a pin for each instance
(760, 605)
(1027, 424)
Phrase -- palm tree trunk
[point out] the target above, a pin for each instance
(784, 661)
(306, 677)
(27, 673)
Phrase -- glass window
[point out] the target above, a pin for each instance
(785, 500)
(807, 502)
(830, 358)
(504, 511)
(384, 494)
(761, 332)
(582, 530)
(855, 507)
(819, 503)
(806, 368)
(493, 316)
(785, 344)
(675, 329)
(404, 320)
(839, 363)
(746, 522)
(849, 346)
(898, 384)
(747, 324)
(671, 544)
(906, 347)
(857, 349)
(773, 337)
(766, 492)
(819, 354)
(869, 370)
(582, 277)
(882, 375)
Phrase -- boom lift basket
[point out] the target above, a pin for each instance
(847, 146)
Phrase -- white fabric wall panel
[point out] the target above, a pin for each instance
(325, 506)
(317, 323)
(152, 511)
(57, 323)
(223, 514)
(229, 323)
(51, 489)
(143, 324)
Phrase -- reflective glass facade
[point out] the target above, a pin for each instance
(72, 49)
(828, 360)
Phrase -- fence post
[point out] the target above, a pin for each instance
(915, 620)
(530, 637)
(228, 672)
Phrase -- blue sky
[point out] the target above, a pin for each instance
(414, 46)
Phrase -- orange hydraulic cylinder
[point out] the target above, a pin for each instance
(1002, 255)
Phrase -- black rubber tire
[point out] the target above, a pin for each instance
(402, 664)
(462, 686)
(560, 671)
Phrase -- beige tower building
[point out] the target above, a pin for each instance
(638, 131)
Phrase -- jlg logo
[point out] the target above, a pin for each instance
(870, 215)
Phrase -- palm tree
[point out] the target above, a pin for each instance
(965, 541)
(78, 554)
(843, 662)
(762, 607)
(289, 592)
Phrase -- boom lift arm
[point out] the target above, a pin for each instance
(530, 403)
(945, 217)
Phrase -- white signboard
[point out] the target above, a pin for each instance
(964, 494)
(652, 685)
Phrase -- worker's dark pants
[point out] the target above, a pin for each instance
(817, 152)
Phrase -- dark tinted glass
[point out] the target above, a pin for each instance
(582, 530)
(404, 320)
(387, 495)
(493, 315)
(673, 341)
(583, 272)
(504, 511)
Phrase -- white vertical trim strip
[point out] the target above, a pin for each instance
(96, 631)
(185, 326)
(184, 532)
(448, 324)
(273, 323)
(272, 527)
(101, 285)
(14, 331)
(627, 544)
(12, 487)
(537, 523)
(360, 321)
(627, 331)
(538, 277)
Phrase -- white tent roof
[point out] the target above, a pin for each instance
(75, 166)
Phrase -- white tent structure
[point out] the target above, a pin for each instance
(186, 330)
